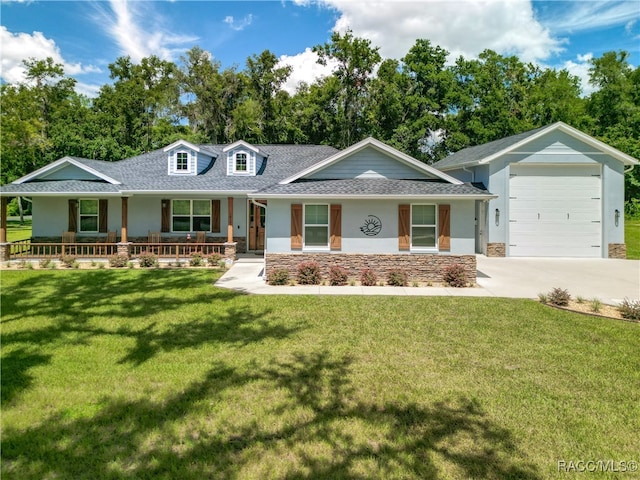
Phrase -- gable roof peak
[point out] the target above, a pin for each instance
(241, 143)
(380, 146)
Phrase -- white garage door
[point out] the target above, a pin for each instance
(554, 211)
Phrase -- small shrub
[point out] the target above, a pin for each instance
(279, 276)
(368, 278)
(222, 264)
(455, 276)
(196, 259)
(415, 283)
(309, 273)
(559, 297)
(543, 298)
(596, 305)
(352, 283)
(580, 299)
(338, 275)
(44, 263)
(101, 265)
(178, 264)
(213, 260)
(630, 309)
(118, 261)
(93, 263)
(22, 264)
(147, 260)
(130, 265)
(397, 278)
(29, 266)
(67, 260)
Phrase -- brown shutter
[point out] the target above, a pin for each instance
(73, 215)
(404, 227)
(335, 227)
(103, 207)
(296, 227)
(215, 216)
(444, 227)
(165, 217)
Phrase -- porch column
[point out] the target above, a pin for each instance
(3, 220)
(125, 219)
(5, 248)
(124, 246)
(230, 220)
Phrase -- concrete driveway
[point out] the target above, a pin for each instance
(606, 279)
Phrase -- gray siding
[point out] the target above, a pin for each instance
(369, 163)
(70, 172)
(354, 213)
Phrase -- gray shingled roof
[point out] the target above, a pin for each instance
(61, 186)
(372, 186)
(473, 155)
(148, 172)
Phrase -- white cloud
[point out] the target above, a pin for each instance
(461, 27)
(304, 69)
(17, 47)
(580, 69)
(587, 15)
(139, 31)
(240, 25)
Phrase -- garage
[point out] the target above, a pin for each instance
(555, 210)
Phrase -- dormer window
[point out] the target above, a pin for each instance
(182, 162)
(240, 165)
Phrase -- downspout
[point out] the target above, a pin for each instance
(630, 168)
(472, 172)
(264, 252)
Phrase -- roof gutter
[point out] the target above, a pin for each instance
(488, 196)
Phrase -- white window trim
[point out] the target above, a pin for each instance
(316, 248)
(235, 162)
(191, 215)
(435, 225)
(177, 171)
(80, 214)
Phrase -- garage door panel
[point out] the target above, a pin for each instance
(555, 211)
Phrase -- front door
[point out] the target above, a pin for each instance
(257, 217)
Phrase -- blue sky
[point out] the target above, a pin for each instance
(88, 35)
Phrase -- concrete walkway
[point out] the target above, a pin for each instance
(608, 280)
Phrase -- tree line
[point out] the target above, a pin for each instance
(418, 104)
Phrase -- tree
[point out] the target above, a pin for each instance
(265, 80)
(355, 61)
(615, 107)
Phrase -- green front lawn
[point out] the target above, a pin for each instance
(158, 374)
(16, 232)
(632, 237)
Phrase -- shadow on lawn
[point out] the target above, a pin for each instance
(78, 303)
(318, 428)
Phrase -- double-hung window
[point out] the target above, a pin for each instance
(240, 165)
(182, 162)
(88, 212)
(316, 226)
(190, 215)
(423, 227)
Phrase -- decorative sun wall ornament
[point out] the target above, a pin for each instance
(372, 226)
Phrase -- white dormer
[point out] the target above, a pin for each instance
(184, 158)
(243, 159)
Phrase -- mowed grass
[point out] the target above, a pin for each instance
(632, 237)
(16, 232)
(159, 374)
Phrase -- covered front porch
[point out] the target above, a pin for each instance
(81, 240)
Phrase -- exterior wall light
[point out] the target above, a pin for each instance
(497, 217)
(617, 217)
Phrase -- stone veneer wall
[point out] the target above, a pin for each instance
(618, 250)
(496, 250)
(419, 267)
